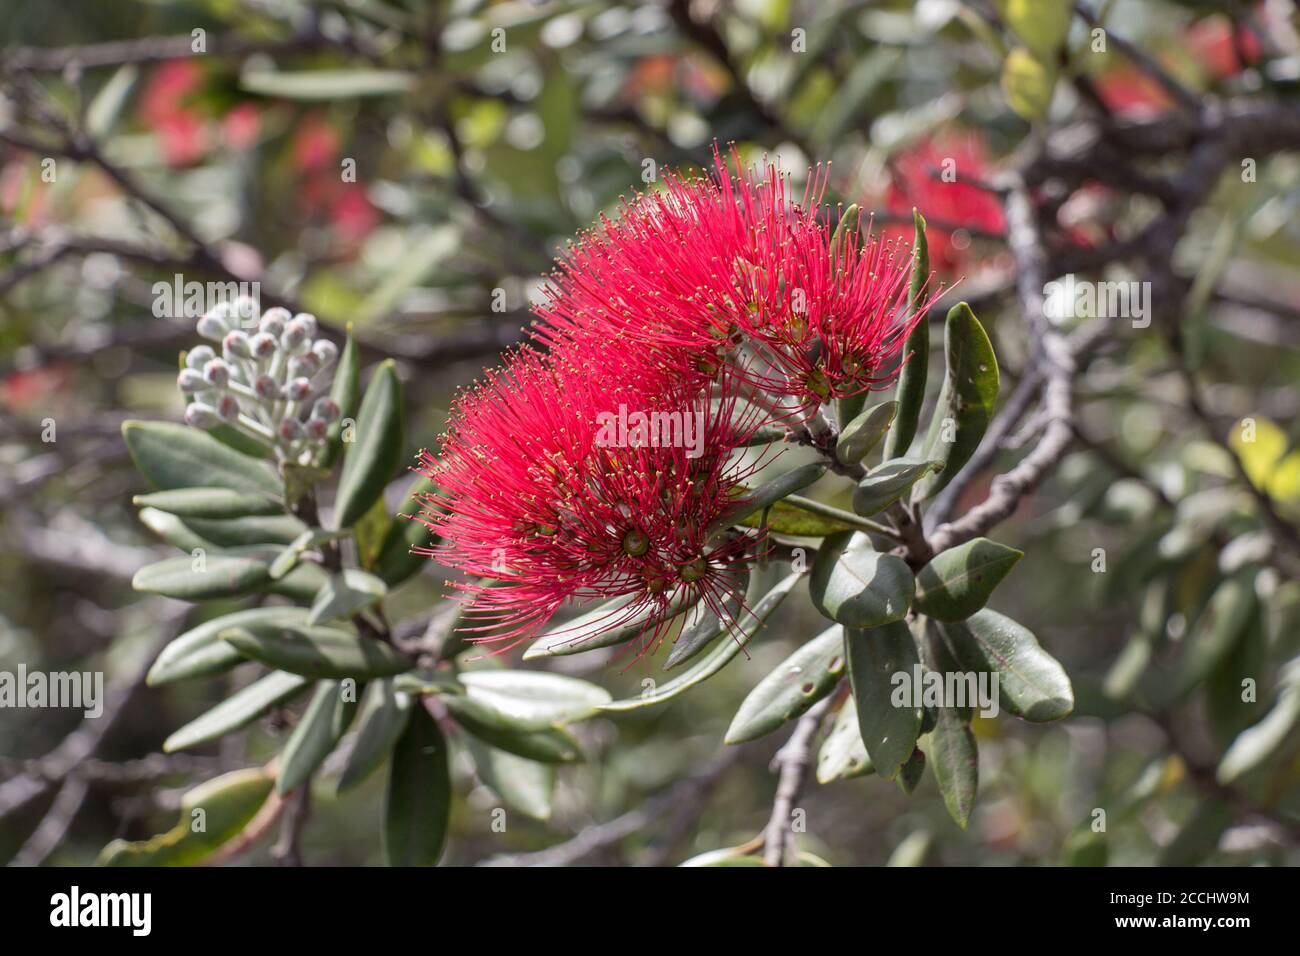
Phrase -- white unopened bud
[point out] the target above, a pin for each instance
(317, 429)
(262, 345)
(235, 345)
(266, 388)
(190, 381)
(217, 373)
(201, 416)
(295, 336)
(306, 364)
(273, 322)
(298, 390)
(325, 409)
(290, 430)
(228, 408)
(325, 351)
(199, 356)
(211, 327)
(308, 322)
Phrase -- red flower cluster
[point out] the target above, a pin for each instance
(939, 177)
(718, 287)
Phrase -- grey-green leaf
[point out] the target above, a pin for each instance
(551, 745)
(534, 700)
(178, 456)
(843, 754)
(966, 398)
(371, 461)
(889, 729)
(319, 729)
(384, 713)
(953, 756)
(345, 594)
(959, 581)
(320, 651)
(768, 493)
(859, 436)
(200, 651)
(702, 626)
(210, 503)
(223, 574)
(1031, 683)
(855, 585)
(916, 366)
(237, 711)
(605, 625)
(418, 805)
(525, 785)
(887, 482)
(798, 682)
(718, 658)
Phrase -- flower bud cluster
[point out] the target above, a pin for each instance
(268, 376)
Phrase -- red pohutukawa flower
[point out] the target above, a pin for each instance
(556, 486)
(730, 271)
(938, 177)
(601, 470)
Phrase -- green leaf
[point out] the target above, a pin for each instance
(222, 574)
(875, 655)
(856, 585)
(418, 806)
(916, 367)
(524, 785)
(1028, 83)
(551, 745)
(246, 532)
(716, 659)
(319, 651)
(321, 726)
(909, 776)
(383, 717)
(288, 559)
(534, 700)
(913, 849)
(966, 398)
(1031, 683)
(843, 754)
(793, 516)
(959, 581)
(798, 682)
(200, 651)
(398, 558)
(951, 753)
(178, 456)
(371, 461)
(225, 805)
(702, 627)
(237, 711)
(345, 594)
(210, 503)
(888, 482)
(421, 258)
(754, 500)
(1258, 744)
(326, 86)
(345, 391)
(1218, 629)
(859, 436)
(606, 625)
